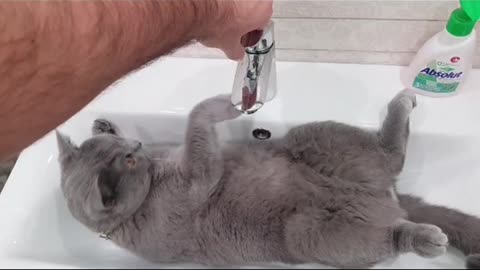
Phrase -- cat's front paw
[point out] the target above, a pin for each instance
(101, 126)
(218, 109)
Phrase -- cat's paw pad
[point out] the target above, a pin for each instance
(101, 126)
(429, 241)
(219, 108)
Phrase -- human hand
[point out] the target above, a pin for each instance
(240, 25)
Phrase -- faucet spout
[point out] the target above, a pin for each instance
(255, 80)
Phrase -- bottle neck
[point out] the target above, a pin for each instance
(447, 34)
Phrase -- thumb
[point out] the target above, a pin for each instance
(235, 51)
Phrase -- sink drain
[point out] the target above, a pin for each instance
(261, 134)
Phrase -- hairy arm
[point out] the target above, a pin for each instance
(56, 56)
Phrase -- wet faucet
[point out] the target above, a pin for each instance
(255, 81)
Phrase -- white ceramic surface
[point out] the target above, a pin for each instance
(36, 229)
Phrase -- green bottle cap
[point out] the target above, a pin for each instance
(472, 8)
(460, 24)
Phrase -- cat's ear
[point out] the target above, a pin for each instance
(67, 150)
(106, 188)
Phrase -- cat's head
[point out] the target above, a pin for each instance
(104, 180)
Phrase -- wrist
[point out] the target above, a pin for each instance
(215, 18)
(146, 29)
(182, 20)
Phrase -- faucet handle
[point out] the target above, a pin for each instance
(265, 43)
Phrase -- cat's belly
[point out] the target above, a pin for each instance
(244, 218)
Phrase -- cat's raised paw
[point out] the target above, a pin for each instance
(429, 241)
(410, 94)
(218, 108)
(406, 100)
(101, 126)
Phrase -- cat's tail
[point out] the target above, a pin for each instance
(463, 230)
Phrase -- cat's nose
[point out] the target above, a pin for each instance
(138, 145)
(135, 145)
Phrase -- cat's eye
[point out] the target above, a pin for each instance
(130, 161)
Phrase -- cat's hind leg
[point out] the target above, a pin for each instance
(393, 136)
(423, 239)
(102, 126)
(312, 238)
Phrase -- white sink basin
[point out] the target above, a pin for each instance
(36, 229)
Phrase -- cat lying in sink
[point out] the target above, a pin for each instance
(322, 194)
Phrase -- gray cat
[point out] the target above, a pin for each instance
(322, 194)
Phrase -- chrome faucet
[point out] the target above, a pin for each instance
(255, 81)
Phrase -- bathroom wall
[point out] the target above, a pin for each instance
(351, 31)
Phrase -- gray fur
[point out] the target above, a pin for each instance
(323, 193)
